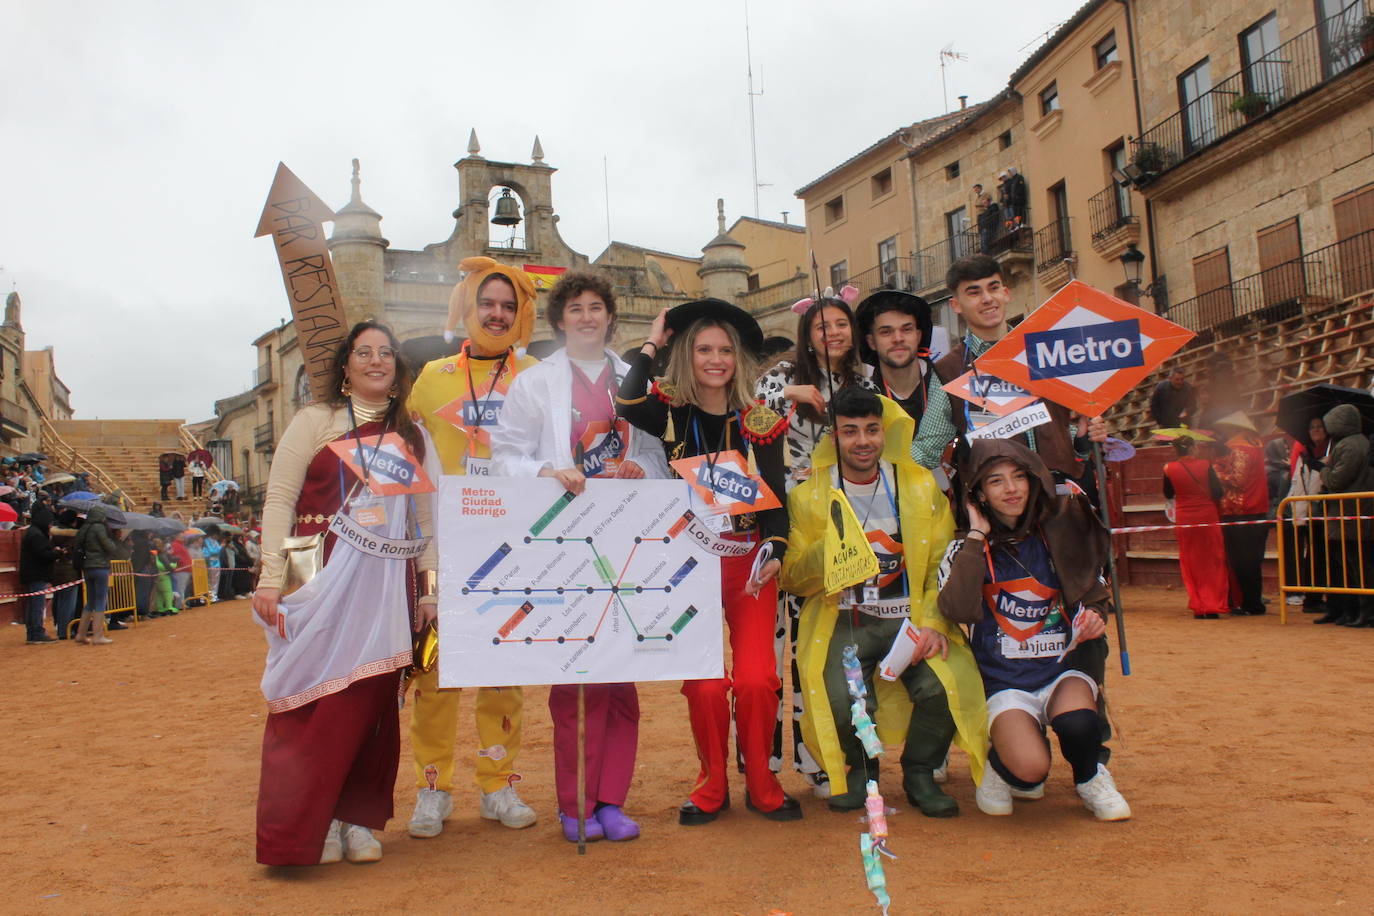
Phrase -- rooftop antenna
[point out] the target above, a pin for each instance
(753, 133)
(948, 55)
(606, 181)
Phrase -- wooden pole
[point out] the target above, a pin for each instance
(1111, 559)
(581, 770)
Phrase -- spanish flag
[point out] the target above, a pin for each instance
(544, 277)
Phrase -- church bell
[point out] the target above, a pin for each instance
(507, 210)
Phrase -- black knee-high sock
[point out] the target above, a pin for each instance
(1080, 741)
(1007, 775)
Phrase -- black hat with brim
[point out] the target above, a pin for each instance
(909, 303)
(681, 317)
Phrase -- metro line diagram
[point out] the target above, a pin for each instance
(538, 586)
(613, 585)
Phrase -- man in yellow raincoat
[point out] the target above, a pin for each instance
(459, 400)
(907, 521)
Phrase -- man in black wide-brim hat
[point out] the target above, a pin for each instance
(894, 338)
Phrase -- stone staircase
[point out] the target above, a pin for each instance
(123, 455)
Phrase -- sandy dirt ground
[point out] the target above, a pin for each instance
(131, 772)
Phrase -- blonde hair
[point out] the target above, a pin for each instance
(682, 379)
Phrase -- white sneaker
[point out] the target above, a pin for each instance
(333, 844)
(993, 794)
(1033, 794)
(359, 845)
(1101, 797)
(941, 773)
(505, 806)
(432, 807)
(1294, 600)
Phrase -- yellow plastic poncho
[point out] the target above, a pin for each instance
(927, 528)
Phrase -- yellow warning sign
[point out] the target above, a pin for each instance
(849, 559)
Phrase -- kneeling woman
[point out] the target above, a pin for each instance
(704, 406)
(1025, 576)
(337, 644)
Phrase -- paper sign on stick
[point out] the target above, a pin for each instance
(1013, 424)
(990, 392)
(295, 218)
(849, 558)
(726, 483)
(1084, 349)
(391, 468)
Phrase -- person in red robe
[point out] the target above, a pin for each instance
(1192, 484)
(1245, 499)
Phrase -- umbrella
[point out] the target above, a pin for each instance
(230, 529)
(1117, 450)
(222, 485)
(115, 517)
(203, 456)
(8, 513)
(1171, 433)
(1300, 408)
(81, 494)
(138, 521)
(31, 458)
(208, 520)
(192, 533)
(62, 477)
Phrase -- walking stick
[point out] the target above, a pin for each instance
(581, 771)
(1111, 559)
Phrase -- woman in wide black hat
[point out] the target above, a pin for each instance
(703, 405)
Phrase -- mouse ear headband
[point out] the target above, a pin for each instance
(848, 295)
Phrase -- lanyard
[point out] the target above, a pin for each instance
(493, 379)
(721, 443)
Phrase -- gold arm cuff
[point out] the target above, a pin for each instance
(429, 583)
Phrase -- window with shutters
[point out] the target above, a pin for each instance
(1282, 272)
(1212, 279)
(1354, 214)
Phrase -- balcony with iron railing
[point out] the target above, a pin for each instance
(1114, 227)
(894, 273)
(262, 436)
(1313, 281)
(1054, 252)
(1289, 72)
(1007, 241)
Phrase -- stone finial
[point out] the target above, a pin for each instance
(537, 154)
(357, 184)
(474, 148)
(720, 215)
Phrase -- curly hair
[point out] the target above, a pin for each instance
(398, 415)
(574, 283)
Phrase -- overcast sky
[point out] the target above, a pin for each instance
(138, 141)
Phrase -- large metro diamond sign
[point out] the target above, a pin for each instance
(1084, 349)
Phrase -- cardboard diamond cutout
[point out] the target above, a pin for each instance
(1084, 349)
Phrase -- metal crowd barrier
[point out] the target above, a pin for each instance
(121, 596)
(1311, 562)
(200, 580)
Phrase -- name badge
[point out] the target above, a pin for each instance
(477, 467)
(370, 513)
(1041, 645)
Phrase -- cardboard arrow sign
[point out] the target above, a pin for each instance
(295, 219)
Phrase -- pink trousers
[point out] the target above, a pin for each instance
(612, 740)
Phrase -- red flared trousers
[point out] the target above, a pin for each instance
(754, 680)
(333, 758)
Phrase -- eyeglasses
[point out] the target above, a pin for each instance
(364, 354)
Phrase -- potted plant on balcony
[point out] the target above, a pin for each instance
(1149, 157)
(1250, 104)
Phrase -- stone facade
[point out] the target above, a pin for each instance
(1076, 145)
(1292, 161)
(52, 395)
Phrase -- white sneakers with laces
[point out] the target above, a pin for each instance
(1101, 797)
(359, 845)
(504, 805)
(993, 795)
(333, 844)
(432, 807)
(1032, 794)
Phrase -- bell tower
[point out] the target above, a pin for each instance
(537, 240)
